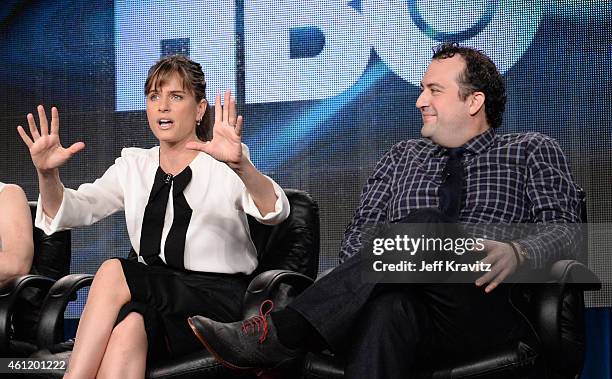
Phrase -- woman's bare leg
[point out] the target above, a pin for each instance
(109, 292)
(126, 352)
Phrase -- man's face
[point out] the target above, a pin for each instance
(446, 117)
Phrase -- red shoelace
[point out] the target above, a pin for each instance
(259, 323)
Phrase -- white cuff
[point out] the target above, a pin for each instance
(281, 207)
(45, 223)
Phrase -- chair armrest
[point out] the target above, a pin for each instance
(559, 320)
(51, 324)
(281, 286)
(575, 273)
(559, 313)
(322, 365)
(9, 294)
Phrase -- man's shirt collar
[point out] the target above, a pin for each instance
(477, 145)
(481, 143)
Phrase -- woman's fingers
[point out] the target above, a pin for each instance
(232, 113)
(218, 109)
(24, 136)
(227, 105)
(226, 115)
(238, 127)
(54, 121)
(200, 146)
(42, 118)
(76, 147)
(32, 125)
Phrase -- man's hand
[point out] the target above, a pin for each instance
(503, 263)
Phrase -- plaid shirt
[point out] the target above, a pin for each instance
(513, 178)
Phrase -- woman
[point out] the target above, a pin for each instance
(185, 203)
(16, 245)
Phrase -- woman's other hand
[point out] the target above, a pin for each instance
(45, 148)
(225, 145)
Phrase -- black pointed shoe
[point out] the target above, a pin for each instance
(244, 345)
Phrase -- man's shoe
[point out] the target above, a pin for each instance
(243, 345)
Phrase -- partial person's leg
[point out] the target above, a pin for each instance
(386, 337)
(333, 301)
(332, 304)
(465, 321)
(109, 291)
(126, 352)
(427, 325)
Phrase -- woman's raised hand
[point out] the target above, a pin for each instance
(45, 148)
(225, 145)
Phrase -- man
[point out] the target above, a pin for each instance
(460, 171)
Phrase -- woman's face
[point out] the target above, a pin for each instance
(172, 112)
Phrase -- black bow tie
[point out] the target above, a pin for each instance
(154, 216)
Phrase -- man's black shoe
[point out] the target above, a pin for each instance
(243, 345)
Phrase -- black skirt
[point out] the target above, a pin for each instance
(166, 297)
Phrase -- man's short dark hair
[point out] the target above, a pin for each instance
(480, 75)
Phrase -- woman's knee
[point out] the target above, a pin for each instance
(131, 328)
(110, 279)
(110, 267)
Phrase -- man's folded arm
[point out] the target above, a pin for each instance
(555, 206)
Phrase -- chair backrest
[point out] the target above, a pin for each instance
(293, 244)
(52, 253)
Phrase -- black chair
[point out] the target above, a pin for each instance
(21, 298)
(288, 262)
(555, 310)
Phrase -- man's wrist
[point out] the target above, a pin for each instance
(520, 252)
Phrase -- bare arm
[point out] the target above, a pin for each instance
(15, 233)
(259, 187)
(51, 192)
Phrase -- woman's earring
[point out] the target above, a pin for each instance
(197, 122)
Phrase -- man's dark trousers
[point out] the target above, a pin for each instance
(385, 330)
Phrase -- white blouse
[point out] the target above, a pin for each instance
(217, 238)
